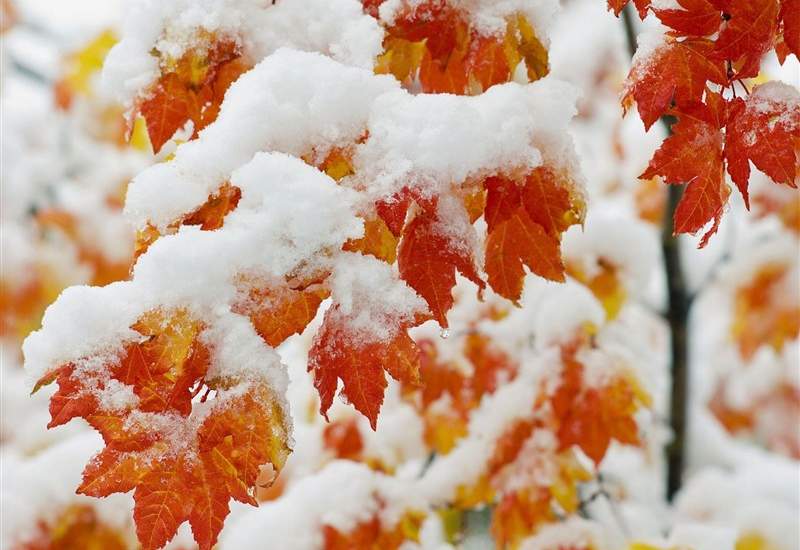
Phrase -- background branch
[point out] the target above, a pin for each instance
(677, 314)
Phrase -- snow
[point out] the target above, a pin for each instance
(357, 281)
(334, 27)
(341, 495)
(312, 89)
(292, 102)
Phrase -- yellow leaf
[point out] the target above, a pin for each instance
(83, 65)
(526, 45)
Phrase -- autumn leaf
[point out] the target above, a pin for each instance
(641, 6)
(524, 43)
(359, 359)
(77, 526)
(749, 32)
(520, 241)
(279, 311)
(676, 72)
(492, 367)
(487, 63)
(762, 316)
(604, 283)
(765, 130)
(372, 535)
(190, 88)
(343, 439)
(790, 16)
(377, 241)
(591, 416)
(693, 155)
(428, 259)
(182, 467)
(696, 18)
(519, 514)
(548, 198)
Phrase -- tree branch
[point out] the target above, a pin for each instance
(677, 314)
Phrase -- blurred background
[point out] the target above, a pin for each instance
(66, 162)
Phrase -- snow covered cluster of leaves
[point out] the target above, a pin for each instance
(690, 69)
(272, 204)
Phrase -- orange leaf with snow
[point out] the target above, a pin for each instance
(184, 459)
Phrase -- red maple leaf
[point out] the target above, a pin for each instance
(618, 5)
(676, 72)
(428, 259)
(525, 222)
(790, 16)
(693, 155)
(764, 129)
(591, 416)
(359, 359)
(748, 33)
(697, 18)
(191, 90)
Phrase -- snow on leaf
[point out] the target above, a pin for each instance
(372, 534)
(428, 260)
(209, 216)
(183, 465)
(591, 416)
(359, 360)
(762, 316)
(764, 129)
(279, 311)
(675, 72)
(190, 88)
(491, 365)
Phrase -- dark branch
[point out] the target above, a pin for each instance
(677, 314)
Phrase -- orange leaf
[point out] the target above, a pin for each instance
(377, 241)
(192, 89)
(76, 527)
(748, 33)
(517, 241)
(641, 6)
(428, 260)
(278, 312)
(486, 61)
(677, 72)
(343, 439)
(166, 110)
(765, 131)
(491, 365)
(547, 199)
(182, 468)
(693, 155)
(697, 18)
(790, 15)
(359, 360)
(590, 417)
